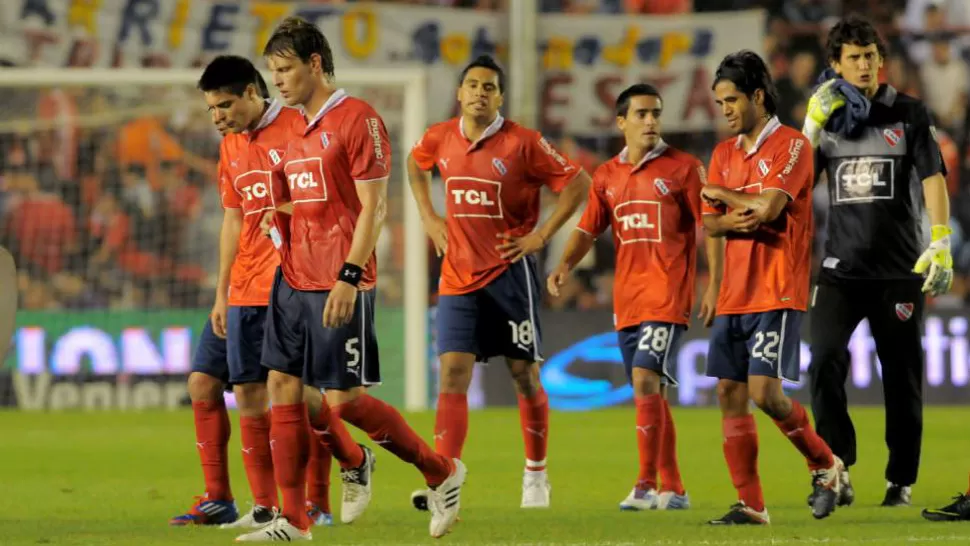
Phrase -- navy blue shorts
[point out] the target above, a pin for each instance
(236, 359)
(650, 346)
(500, 319)
(765, 344)
(296, 343)
(244, 341)
(211, 357)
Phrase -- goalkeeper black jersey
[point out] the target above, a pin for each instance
(876, 219)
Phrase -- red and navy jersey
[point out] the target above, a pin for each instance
(345, 144)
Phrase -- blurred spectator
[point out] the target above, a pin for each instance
(945, 83)
(903, 75)
(657, 7)
(927, 16)
(809, 11)
(932, 23)
(40, 225)
(795, 89)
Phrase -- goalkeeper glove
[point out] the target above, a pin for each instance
(824, 102)
(939, 261)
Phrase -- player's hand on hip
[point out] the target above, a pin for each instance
(339, 309)
(516, 248)
(742, 221)
(708, 305)
(267, 222)
(218, 316)
(437, 230)
(557, 279)
(936, 263)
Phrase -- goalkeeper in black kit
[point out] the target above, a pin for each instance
(888, 245)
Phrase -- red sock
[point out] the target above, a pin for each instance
(669, 470)
(318, 472)
(451, 424)
(650, 421)
(290, 446)
(741, 453)
(212, 440)
(258, 459)
(534, 418)
(387, 427)
(332, 431)
(801, 434)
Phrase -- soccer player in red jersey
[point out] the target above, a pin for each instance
(490, 289)
(330, 200)
(255, 132)
(650, 196)
(759, 199)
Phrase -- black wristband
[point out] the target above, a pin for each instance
(351, 274)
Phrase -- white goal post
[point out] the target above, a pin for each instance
(412, 81)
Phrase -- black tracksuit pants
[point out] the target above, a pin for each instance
(894, 309)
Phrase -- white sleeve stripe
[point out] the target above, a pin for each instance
(583, 230)
(371, 180)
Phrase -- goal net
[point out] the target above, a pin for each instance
(111, 208)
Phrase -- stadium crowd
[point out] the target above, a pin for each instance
(118, 207)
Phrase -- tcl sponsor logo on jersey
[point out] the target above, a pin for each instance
(474, 198)
(305, 180)
(253, 186)
(638, 221)
(864, 180)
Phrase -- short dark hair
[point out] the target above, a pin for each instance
(232, 74)
(622, 105)
(485, 61)
(853, 30)
(297, 36)
(748, 72)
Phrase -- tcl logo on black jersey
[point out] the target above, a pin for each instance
(864, 180)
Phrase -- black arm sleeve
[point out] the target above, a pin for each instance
(923, 146)
(819, 164)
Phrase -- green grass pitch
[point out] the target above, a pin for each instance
(116, 478)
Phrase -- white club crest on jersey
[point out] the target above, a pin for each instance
(660, 185)
(764, 165)
(325, 140)
(499, 167)
(275, 156)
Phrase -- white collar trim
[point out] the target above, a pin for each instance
(773, 125)
(273, 109)
(654, 153)
(338, 96)
(489, 131)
